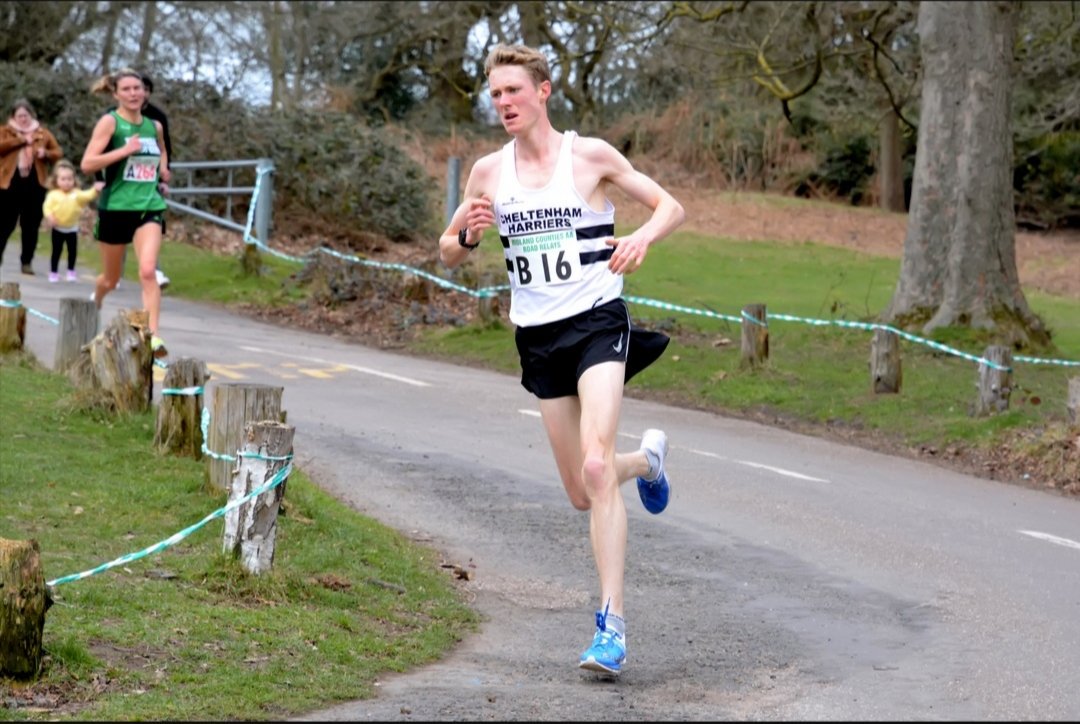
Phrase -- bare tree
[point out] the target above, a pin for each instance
(959, 262)
(41, 32)
(146, 37)
(848, 59)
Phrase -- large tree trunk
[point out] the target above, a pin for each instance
(890, 163)
(959, 263)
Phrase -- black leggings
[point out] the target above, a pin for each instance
(20, 205)
(60, 239)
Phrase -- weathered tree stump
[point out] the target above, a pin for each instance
(755, 335)
(251, 528)
(24, 598)
(235, 405)
(78, 325)
(886, 373)
(12, 319)
(1072, 404)
(118, 362)
(179, 416)
(995, 385)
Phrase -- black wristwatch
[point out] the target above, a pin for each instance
(462, 236)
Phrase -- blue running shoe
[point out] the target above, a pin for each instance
(608, 650)
(654, 493)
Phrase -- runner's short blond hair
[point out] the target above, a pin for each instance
(530, 59)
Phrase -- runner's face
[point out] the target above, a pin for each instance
(130, 92)
(517, 99)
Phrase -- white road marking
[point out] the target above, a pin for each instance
(782, 471)
(1051, 538)
(705, 453)
(354, 368)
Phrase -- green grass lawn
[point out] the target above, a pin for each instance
(187, 634)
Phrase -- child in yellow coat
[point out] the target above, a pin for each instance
(63, 206)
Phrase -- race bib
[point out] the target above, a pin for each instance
(548, 258)
(141, 169)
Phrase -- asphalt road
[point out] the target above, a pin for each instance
(791, 578)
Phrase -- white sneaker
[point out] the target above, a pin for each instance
(162, 280)
(654, 488)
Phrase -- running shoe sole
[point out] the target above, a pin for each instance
(592, 664)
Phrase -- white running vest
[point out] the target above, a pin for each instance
(554, 244)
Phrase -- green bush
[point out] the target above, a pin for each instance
(1046, 178)
(331, 165)
(331, 169)
(846, 169)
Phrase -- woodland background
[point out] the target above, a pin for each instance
(360, 104)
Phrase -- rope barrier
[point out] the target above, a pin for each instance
(179, 536)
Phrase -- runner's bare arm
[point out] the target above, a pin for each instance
(95, 157)
(476, 212)
(163, 165)
(667, 213)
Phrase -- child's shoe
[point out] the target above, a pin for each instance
(72, 276)
(54, 277)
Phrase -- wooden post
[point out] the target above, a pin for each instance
(12, 319)
(118, 363)
(1072, 406)
(251, 528)
(179, 416)
(78, 325)
(886, 374)
(250, 261)
(755, 336)
(235, 405)
(995, 385)
(24, 599)
(487, 307)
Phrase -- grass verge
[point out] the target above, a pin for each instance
(186, 634)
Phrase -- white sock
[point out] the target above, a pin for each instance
(654, 465)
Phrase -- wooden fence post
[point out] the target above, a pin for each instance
(78, 325)
(235, 405)
(118, 362)
(487, 307)
(179, 416)
(886, 373)
(1072, 405)
(755, 335)
(995, 385)
(12, 319)
(23, 602)
(251, 528)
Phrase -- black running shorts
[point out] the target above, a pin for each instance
(555, 355)
(119, 227)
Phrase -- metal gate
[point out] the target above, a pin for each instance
(262, 193)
